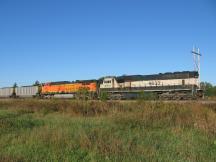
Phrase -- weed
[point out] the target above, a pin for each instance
(71, 130)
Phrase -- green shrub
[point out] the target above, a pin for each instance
(103, 96)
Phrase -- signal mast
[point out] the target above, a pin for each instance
(196, 58)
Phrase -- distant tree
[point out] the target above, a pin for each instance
(15, 85)
(209, 89)
(14, 90)
(36, 83)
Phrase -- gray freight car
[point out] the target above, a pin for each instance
(6, 92)
(27, 91)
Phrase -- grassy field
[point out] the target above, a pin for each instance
(64, 130)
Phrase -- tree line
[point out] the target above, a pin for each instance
(209, 89)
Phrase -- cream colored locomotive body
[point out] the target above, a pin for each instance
(111, 82)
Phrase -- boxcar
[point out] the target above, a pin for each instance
(27, 91)
(6, 92)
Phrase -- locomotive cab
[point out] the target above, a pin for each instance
(109, 82)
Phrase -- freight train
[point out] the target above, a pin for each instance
(168, 86)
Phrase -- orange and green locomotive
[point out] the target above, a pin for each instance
(77, 89)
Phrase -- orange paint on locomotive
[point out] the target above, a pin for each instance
(68, 88)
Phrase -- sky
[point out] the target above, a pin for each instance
(57, 40)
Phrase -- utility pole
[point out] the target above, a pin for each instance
(196, 58)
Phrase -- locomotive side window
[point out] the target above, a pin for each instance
(108, 81)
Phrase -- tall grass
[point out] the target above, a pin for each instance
(70, 130)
